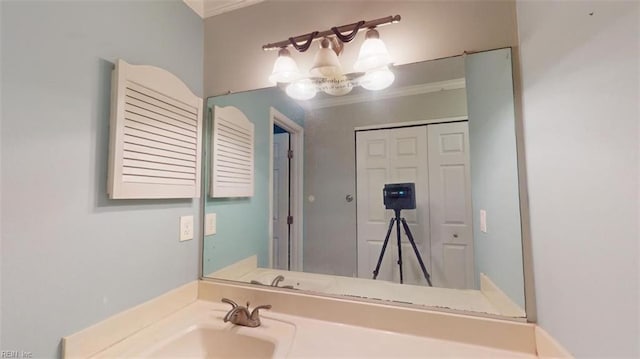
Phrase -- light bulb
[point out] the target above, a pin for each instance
(373, 53)
(303, 89)
(285, 69)
(378, 79)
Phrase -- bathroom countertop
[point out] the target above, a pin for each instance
(307, 337)
(188, 322)
(488, 300)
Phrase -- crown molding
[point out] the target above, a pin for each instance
(197, 6)
(213, 8)
(391, 93)
(208, 8)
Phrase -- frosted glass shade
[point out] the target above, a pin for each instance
(303, 89)
(373, 54)
(378, 79)
(326, 64)
(338, 86)
(285, 69)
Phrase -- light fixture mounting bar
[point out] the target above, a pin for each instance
(312, 36)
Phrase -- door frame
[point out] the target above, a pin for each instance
(295, 189)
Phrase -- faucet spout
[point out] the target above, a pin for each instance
(240, 315)
(277, 280)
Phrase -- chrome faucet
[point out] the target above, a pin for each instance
(274, 283)
(276, 280)
(239, 315)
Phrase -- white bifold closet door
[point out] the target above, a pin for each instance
(436, 159)
(391, 156)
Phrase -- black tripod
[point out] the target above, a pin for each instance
(397, 220)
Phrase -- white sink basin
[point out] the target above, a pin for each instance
(198, 331)
(210, 342)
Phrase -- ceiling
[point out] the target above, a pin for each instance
(208, 8)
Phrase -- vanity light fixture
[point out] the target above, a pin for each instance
(372, 65)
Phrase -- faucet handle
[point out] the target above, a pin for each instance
(255, 313)
(229, 301)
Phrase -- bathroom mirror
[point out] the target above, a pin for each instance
(317, 220)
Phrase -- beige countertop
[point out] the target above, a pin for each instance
(187, 322)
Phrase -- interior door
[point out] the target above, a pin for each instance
(450, 192)
(281, 200)
(391, 156)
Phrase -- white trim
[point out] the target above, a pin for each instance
(391, 93)
(499, 299)
(197, 6)
(213, 8)
(296, 172)
(411, 123)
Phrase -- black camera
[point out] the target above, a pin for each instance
(399, 196)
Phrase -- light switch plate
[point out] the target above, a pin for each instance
(483, 221)
(210, 224)
(186, 228)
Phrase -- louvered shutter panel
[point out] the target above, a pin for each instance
(155, 136)
(232, 169)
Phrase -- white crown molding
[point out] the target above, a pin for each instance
(391, 93)
(197, 6)
(208, 8)
(213, 8)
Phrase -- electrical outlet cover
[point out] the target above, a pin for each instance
(186, 228)
(210, 224)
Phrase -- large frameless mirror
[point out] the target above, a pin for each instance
(317, 220)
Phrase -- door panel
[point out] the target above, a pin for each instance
(450, 191)
(280, 200)
(391, 156)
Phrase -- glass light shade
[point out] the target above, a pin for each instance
(326, 63)
(378, 79)
(338, 86)
(373, 54)
(303, 89)
(285, 69)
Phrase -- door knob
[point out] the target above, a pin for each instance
(349, 198)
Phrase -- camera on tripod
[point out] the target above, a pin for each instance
(399, 196)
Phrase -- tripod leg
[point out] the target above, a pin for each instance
(399, 248)
(415, 249)
(384, 248)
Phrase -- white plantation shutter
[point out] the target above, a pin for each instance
(155, 135)
(232, 169)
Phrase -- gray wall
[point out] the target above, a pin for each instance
(70, 256)
(330, 174)
(234, 59)
(580, 79)
(494, 171)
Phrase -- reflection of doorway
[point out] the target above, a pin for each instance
(435, 157)
(281, 198)
(285, 183)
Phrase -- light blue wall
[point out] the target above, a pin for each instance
(243, 223)
(1, 181)
(494, 170)
(70, 256)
